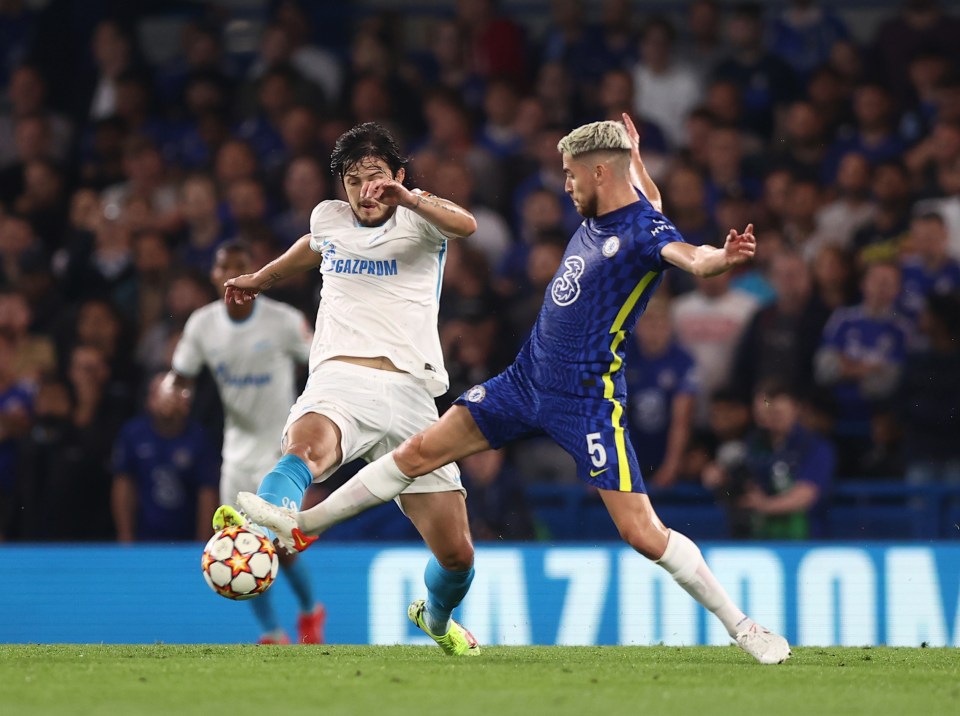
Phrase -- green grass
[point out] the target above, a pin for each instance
(582, 681)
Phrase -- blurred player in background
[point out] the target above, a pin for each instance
(376, 363)
(252, 351)
(568, 380)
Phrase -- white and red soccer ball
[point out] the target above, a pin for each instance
(239, 563)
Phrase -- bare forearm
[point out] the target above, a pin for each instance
(798, 498)
(709, 261)
(298, 258)
(703, 261)
(642, 180)
(447, 216)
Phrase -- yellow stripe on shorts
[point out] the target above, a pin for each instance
(618, 336)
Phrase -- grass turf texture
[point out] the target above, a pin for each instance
(325, 680)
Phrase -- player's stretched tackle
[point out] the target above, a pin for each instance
(568, 380)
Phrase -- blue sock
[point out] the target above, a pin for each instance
(299, 578)
(285, 484)
(445, 590)
(264, 612)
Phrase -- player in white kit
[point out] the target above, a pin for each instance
(252, 351)
(376, 362)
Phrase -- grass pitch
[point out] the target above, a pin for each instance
(582, 681)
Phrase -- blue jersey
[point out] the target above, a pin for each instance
(568, 380)
(858, 336)
(611, 267)
(652, 384)
(168, 472)
(918, 282)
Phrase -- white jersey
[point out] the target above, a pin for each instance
(252, 362)
(381, 290)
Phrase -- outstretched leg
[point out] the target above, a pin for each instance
(640, 527)
(453, 436)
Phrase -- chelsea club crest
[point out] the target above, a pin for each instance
(476, 394)
(610, 246)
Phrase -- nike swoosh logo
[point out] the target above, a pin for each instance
(300, 540)
(594, 473)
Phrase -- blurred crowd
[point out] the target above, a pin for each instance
(835, 355)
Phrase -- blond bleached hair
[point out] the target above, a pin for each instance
(605, 136)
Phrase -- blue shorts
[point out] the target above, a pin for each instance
(508, 407)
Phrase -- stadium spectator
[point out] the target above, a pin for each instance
(498, 133)
(708, 322)
(305, 185)
(187, 292)
(661, 393)
(861, 359)
(79, 510)
(874, 133)
(16, 406)
(497, 508)
(727, 174)
(929, 396)
(920, 25)
(834, 277)
(702, 43)
(153, 263)
(85, 219)
(881, 238)
(204, 230)
(27, 96)
(495, 44)
(765, 80)
(165, 474)
(786, 471)
(800, 217)
(618, 36)
(665, 89)
(803, 34)
(853, 208)
(927, 267)
(803, 145)
(33, 354)
(781, 339)
(113, 53)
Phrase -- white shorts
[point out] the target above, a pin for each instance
(376, 410)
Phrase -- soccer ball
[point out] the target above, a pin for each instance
(239, 563)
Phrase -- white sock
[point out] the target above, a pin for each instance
(683, 560)
(378, 482)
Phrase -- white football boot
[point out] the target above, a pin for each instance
(763, 645)
(277, 519)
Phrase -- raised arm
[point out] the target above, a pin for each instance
(298, 258)
(707, 261)
(638, 171)
(452, 219)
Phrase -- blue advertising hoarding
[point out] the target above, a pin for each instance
(815, 594)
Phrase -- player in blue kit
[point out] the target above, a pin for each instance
(568, 379)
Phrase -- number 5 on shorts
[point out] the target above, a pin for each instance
(598, 454)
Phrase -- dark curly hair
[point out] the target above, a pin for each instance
(365, 140)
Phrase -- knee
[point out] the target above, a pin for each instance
(410, 458)
(306, 452)
(456, 557)
(645, 539)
